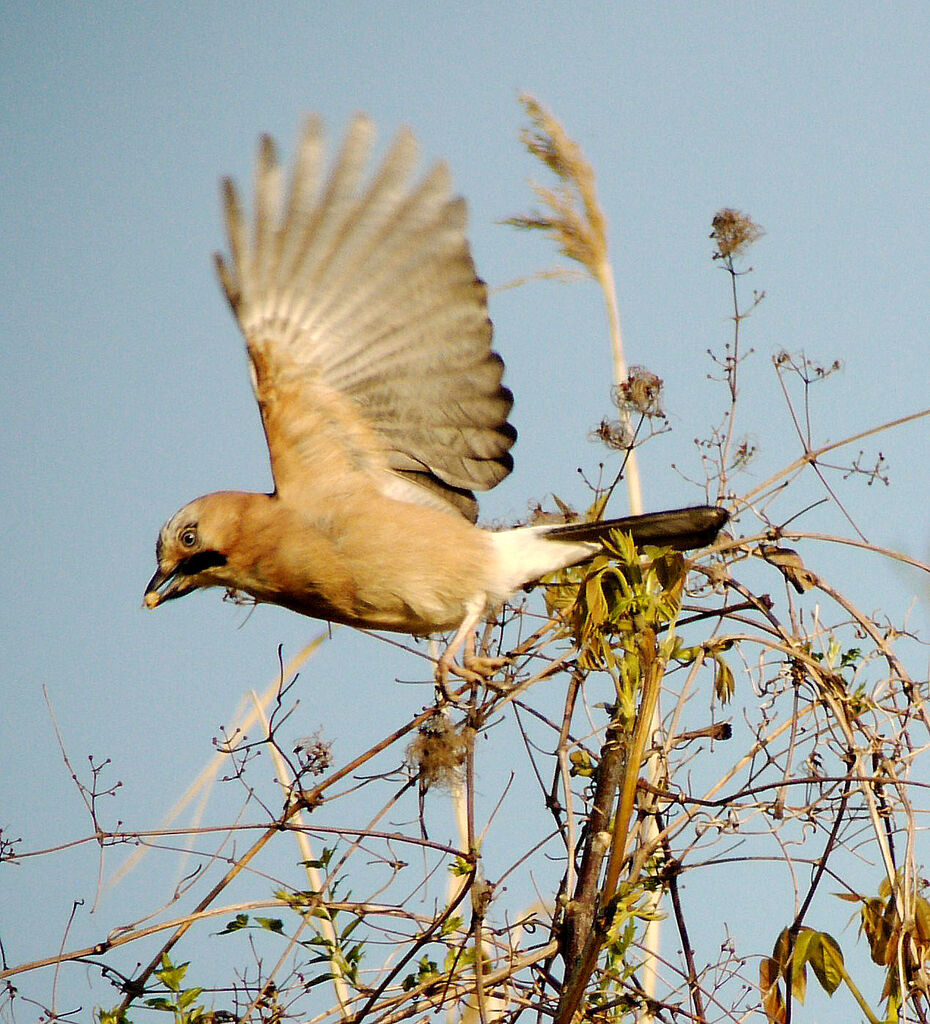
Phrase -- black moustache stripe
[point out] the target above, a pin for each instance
(194, 564)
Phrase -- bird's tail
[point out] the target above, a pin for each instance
(530, 552)
(680, 528)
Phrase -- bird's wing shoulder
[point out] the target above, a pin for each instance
(366, 327)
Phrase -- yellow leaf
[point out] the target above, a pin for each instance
(826, 959)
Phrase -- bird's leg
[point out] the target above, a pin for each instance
(475, 668)
(446, 661)
(482, 665)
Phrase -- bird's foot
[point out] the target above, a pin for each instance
(445, 669)
(476, 669)
(484, 666)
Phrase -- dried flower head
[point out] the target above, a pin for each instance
(314, 753)
(438, 751)
(640, 394)
(616, 435)
(733, 232)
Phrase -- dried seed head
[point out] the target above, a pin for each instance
(615, 435)
(314, 753)
(733, 232)
(571, 213)
(438, 752)
(640, 394)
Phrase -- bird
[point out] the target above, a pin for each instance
(370, 352)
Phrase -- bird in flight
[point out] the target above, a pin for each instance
(369, 347)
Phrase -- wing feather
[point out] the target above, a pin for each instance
(366, 327)
(267, 206)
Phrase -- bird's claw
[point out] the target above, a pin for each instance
(484, 666)
(476, 669)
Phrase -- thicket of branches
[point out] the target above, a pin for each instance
(712, 731)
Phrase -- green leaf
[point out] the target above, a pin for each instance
(460, 867)
(826, 959)
(318, 979)
(597, 603)
(798, 978)
(349, 928)
(271, 924)
(239, 921)
(319, 958)
(427, 969)
(851, 657)
(186, 998)
(450, 925)
(802, 944)
(171, 976)
(724, 682)
(115, 1016)
(582, 763)
(458, 959)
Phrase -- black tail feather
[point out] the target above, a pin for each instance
(680, 528)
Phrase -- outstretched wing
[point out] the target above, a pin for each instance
(367, 329)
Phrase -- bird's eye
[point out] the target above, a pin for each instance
(188, 537)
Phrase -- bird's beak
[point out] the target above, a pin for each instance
(187, 575)
(165, 586)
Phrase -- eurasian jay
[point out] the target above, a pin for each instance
(369, 347)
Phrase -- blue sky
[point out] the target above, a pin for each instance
(124, 382)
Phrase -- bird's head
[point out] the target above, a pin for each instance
(192, 549)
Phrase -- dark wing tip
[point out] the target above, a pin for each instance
(267, 151)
